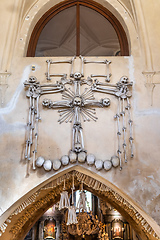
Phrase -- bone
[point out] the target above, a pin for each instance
(52, 91)
(119, 132)
(34, 159)
(66, 116)
(90, 115)
(71, 93)
(124, 131)
(101, 62)
(104, 90)
(49, 62)
(82, 65)
(107, 77)
(58, 75)
(130, 128)
(60, 61)
(72, 63)
(48, 67)
(85, 118)
(29, 151)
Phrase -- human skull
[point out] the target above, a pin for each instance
(115, 161)
(47, 165)
(98, 164)
(77, 76)
(40, 161)
(124, 80)
(72, 157)
(81, 157)
(46, 102)
(90, 159)
(107, 165)
(65, 160)
(77, 101)
(56, 164)
(106, 102)
(77, 148)
(32, 79)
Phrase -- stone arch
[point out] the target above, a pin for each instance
(35, 203)
(38, 9)
(87, 3)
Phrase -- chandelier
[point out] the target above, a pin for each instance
(82, 223)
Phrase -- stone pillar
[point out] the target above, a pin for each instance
(58, 229)
(41, 227)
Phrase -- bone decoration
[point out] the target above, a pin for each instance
(78, 106)
(90, 159)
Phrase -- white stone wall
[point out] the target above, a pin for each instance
(140, 178)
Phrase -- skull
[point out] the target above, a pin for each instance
(77, 76)
(32, 79)
(77, 147)
(106, 102)
(124, 80)
(46, 102)
(77, 101)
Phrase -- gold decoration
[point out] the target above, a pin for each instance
(88, 181)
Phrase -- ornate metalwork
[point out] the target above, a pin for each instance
(55, 187)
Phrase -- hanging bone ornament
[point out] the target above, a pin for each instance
(34, 91)
(64, 200)
(72, 218)
(122, 91)
(81, 205)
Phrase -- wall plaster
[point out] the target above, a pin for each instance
(140, 177)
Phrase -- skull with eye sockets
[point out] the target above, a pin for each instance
(46, 103)
(77, 76)
(77, 147)
(124, 80)
(77, 101)
(32, 79)
(106, 102)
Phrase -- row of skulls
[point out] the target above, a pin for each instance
(81, 157)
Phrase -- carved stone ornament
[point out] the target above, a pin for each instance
(28, 209)
(77, 107)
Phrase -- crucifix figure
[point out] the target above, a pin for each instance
(77, 105)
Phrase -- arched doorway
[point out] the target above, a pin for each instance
(25, 216)
(97, 220)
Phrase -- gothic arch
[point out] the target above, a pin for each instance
(35, 203)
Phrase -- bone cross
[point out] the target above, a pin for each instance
(76, 106)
